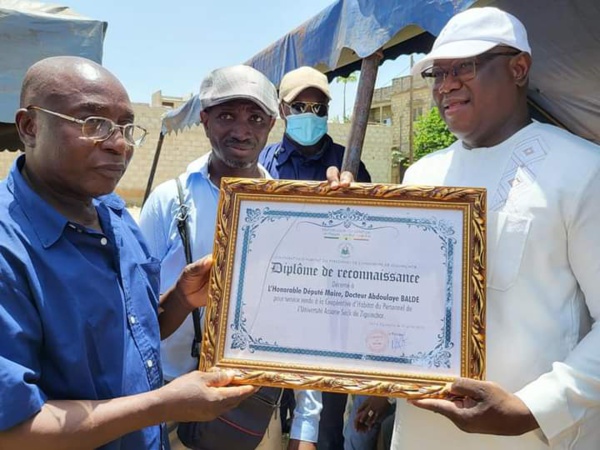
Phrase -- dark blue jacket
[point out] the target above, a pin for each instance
(284, 162)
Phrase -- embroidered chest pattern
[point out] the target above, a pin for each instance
(519, 174)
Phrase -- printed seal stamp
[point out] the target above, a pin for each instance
(377, 341)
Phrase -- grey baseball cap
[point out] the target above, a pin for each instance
(238, 82)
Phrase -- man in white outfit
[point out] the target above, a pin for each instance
(238, 109)
(543, 276)
(543, 272)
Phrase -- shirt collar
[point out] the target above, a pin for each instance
(112, 201)
(289, 147)
(199, 167)
(46, 221)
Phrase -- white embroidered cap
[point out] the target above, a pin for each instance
(473, 32)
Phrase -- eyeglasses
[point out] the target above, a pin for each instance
(319, 109)
(100, 128)
(463, 71)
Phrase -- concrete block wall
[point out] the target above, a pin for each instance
(177, 152)
(6, 160)
(402, 114)
(180, 149)
(377, 148)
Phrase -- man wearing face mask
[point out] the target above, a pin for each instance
(305, 153)
(306, 150)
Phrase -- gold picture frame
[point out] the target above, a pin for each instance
(364, 221)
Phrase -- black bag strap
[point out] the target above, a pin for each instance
(182, 227)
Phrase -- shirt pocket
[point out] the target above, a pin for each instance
(150, 271)
(507, 236)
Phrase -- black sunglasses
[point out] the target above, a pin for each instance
(319, 109)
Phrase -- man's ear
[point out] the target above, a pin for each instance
(204, 121)
(282, 113)
(520, 66)
(273, 120)
(26, 127)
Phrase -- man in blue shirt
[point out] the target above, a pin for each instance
(80, 315)
(305, 153)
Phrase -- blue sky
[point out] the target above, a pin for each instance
(172, 45)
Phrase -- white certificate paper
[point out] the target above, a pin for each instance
(364, 288)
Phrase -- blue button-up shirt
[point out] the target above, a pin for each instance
(284, 161)
(78, 308)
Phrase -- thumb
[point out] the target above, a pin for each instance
(200, 268)
(346, 178)
(443, 407)
(465, 387)
(218, 378)
(333, 174)
(231, 395)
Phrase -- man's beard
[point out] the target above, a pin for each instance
(233, 163)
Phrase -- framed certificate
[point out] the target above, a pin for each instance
(372, 289)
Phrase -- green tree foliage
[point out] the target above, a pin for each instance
(352, 78)
(430, 134)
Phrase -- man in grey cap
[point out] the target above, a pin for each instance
(543, 294)
(238, 110)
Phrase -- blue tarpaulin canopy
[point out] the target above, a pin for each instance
(564, 36)
(30, 31)
(187, 115)
(349, 30)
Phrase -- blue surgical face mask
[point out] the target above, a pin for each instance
(306, 129)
